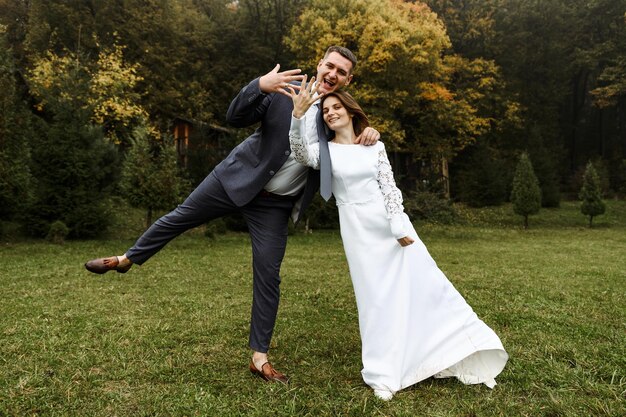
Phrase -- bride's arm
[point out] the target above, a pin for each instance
(392, 197)
(303, 152)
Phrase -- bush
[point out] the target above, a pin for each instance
(215, 227)
(58, 232)
(429, 206)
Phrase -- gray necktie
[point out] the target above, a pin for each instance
(325, 166)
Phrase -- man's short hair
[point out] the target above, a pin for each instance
(344, 52)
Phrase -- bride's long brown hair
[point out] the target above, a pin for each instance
(359, 118)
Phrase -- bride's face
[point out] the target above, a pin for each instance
(335, 114)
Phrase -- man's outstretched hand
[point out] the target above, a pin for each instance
(277, 82)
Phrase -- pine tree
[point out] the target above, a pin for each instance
(16, 181)
(150, 176)
(75, 166)
(591, 194)
(526, 194)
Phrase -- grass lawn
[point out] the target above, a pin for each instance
(170, 338)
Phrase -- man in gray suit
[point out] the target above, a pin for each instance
(260, 180)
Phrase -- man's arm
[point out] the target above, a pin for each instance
(248, 107)
(252, 101)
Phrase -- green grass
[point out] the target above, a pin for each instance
(170, 338)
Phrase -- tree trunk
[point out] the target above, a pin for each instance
(590, 221)
(445, 176)
(526, 221)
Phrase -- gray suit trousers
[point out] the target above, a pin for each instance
(267, 218)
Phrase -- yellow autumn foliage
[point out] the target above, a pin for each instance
(105, 89)
(417, 94)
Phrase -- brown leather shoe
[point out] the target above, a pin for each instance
(269, 374)
(102, 265)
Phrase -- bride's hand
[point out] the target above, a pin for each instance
(405, 241)
(305, 98)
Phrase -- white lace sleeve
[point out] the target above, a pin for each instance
(392, 195)
(303, 152)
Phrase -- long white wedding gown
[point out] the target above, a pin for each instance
(414, 324)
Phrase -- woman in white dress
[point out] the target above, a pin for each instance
(413, 323)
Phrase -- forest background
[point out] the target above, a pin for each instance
(91, 91)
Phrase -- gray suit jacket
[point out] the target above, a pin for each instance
(246, 170)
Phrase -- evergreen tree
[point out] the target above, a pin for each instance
(76, 171)
(150, 177)
(75, 166)
(16, 181)
(591, 194)
(526, 194)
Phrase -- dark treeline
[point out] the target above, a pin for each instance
(454, 86)
(565, 62)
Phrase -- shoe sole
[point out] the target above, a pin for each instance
(100, 271)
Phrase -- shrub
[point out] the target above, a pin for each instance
(429, 206)
(58, 232)
(215, 227)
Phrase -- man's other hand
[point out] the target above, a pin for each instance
(368, 137)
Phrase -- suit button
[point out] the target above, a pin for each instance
(287, 152)
(272, 172)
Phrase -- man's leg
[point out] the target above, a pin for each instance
(267, 219)
(208, 201)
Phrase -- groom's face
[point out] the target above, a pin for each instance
(334, 72)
